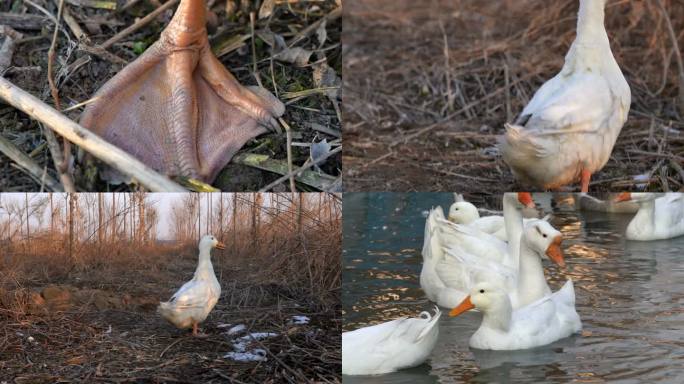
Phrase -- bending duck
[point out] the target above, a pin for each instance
(191, 304)
(464, 212)
(177, 108)
(390, 346)
(505, 328)
(568, 130)
(451, 267)
(524, 284)
(658, 218)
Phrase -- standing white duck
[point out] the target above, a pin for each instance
(504, 328)
(466, 213)
(390, 346)
(658, 218)
(568, 130)
(191, 304)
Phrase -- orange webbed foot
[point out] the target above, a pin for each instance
(177, 108)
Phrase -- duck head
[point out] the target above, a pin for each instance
(520, 199)
(545, 240)
(208, 242)
(636, 197)
(463, 212)
(492, 300)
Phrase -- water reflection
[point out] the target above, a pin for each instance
(630, 296)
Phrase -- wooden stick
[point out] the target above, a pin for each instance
(61, 159)
(90, 142)
(288, 135)
(22, 21)
(30, 166)
(139, 24)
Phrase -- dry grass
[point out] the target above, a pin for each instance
(101, 325)
(429, 89)
(79, 73)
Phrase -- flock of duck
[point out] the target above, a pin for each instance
(494, 264)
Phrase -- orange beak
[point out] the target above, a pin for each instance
(465, 305)
(624, 196)
(525, 198)
(220, 246)
(554, 251)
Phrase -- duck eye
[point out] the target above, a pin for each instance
(544, 235)
(481, 290)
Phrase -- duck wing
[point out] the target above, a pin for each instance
(581, 103)
(193, 294)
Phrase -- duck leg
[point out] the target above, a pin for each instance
(176, 108)
(194, 328)
(584, 181)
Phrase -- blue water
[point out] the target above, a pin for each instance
(630, 296)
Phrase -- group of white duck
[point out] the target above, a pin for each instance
(568, 130)
(494, 264)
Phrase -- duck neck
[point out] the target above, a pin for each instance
(204, 268)
(500, 317)
(188, 25)
(590, 28)
(531, 281)
(513, 221)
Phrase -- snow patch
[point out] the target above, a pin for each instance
(299, 320)
(240, 350)
(236, 329)
(254, 355)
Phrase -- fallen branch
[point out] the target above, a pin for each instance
(138, 24)
(90, 142)
(27, 164)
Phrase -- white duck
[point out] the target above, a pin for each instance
(390, 346)
(191, 304)
(525, 284)
(658, 218)
(568, 130)
(504, 328)
(452, 265)
(466, 213)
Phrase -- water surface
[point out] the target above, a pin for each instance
(630, 297)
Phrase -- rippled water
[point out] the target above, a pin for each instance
(630, 297)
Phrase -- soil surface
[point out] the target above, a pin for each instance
(429, 88)
(86, 326)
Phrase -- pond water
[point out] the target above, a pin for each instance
(630, 296)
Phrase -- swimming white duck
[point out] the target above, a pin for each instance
(466, 213)
(390, 346)
(191, 304)
(542, 322)
(460, 272)
(451, 266)
(568, 130)
(658, 218)
(586, 202)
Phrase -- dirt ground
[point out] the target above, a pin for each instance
(311, 99)
(98, 324)
(429, 88)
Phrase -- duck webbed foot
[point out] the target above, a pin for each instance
(177, 108)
